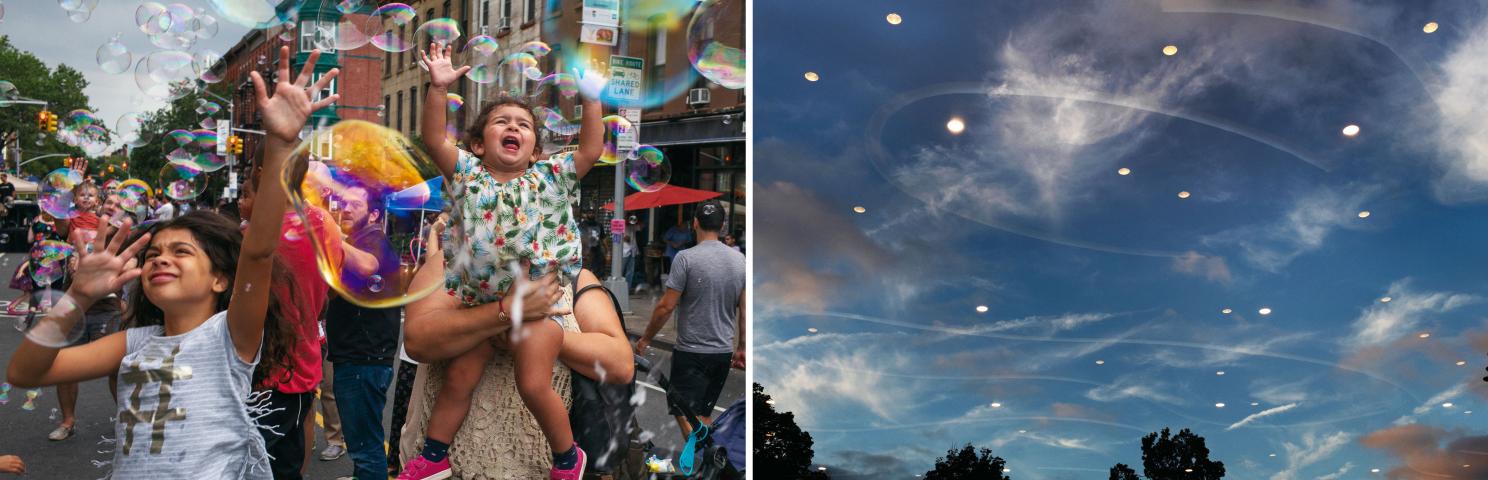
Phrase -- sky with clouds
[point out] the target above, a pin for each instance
(1114, 304)
(44, 28)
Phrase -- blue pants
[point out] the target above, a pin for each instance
(361, 393)
(631, 276)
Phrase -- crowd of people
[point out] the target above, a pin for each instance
(221, 339)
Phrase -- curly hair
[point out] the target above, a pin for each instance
(221, 241)
(473, 133)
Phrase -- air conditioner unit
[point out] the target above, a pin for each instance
(504, 24)
(698, 96)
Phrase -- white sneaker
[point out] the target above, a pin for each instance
(63, 432)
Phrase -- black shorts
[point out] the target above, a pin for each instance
(697, 379)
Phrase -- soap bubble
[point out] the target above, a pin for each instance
(165, 75)
(152, 18)
(615, 126)
(392, 20)
(129, 128)
(368, 181)
(647, 170)
(709, 49)
(258, 14)
(201, 65)
(49, 261)
(8, 91)
(113, 57)
(48, 331)
(182, 182)
(56, 193)
(30, 400)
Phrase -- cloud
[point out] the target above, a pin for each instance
(1302, 229)
(1125, 388)
(1431, 452)
(1382, 322)
(1432, 403)
(1338, 474)
(1461, 133)
(1212, 268)
(835, 380)
(813, 249)
(1262, 414)
(1312, 449)
(860, 464)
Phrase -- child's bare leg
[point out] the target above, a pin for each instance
(453, 402)
(534, 356)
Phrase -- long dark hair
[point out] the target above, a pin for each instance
(221, 241)
(476, 131)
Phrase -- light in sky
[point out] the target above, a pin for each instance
(1220, 373)
(1255, 404)
(1447, 405)
(811, 330)
(1374, 470)
(1100, 362)
(894, 19)
(812, 77)
(1124, 171)
(1271, 455)
(1430, 27)
(1188, 470)
(1219, 405)
(1170, 50)
(1364, 214)
(1022, 431)
(1350, 130)
(859, 209)
(1183, 194)
(996, 405)
(981, 309)
(956, 125)
(1461, 363)
(1226, 311)
(1265, 311)
(1425, 335)
(1386, 300)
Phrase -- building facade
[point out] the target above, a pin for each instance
(359, 82)
(404, 83)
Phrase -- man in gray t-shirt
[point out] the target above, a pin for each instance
(707, 283)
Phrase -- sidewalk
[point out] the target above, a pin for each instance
(635, 320)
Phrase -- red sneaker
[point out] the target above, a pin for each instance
(423, 469)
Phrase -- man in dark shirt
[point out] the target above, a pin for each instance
(362, 342)
(7, 189)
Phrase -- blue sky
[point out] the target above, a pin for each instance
(1105, 293)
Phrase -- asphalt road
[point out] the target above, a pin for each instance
(24, 432)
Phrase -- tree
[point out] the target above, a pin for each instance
(781, 449)
(967, 463)
(61, 87)
(1182, 456)
(1123, 472)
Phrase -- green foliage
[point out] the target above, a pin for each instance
(147, 161)
(966, 464)
(1168, 456)
(62, 87)
(781, 449)
(1123, 472)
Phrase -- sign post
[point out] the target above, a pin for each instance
(625, 89)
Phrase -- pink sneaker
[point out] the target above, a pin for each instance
(575, 473)
(423, 469)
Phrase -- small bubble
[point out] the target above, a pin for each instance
(53, 416)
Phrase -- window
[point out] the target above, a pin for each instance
(529, 11)
(446, 9)
(386, 99)
(387, 64)
(399, 113)
(317, 33)
(413, 109)
(324, 92)
(402, 29)
(506, 9)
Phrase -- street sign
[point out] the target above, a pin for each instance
(600, 16)
(617, 226)
(626, 75)
(224, 129)
(600, 23)
(627, 140)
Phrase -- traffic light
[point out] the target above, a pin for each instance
(67, 162)
(41, 120)
(111, 169)
(51, 122)
(235, 145)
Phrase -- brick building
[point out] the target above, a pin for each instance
(359, 83)
(405, 84)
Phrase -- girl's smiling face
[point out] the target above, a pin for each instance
(509, 139)
(178, 271)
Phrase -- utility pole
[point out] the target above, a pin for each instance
(617, 281)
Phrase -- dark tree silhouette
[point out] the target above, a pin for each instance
(1123, 472)
(781, 449)
(1178, 457)
(966, 464)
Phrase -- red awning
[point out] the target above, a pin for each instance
(668, 195)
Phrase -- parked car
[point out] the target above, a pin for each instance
(15, 226)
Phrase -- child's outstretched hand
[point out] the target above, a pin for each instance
(284, 114)
(591, 82)
(442, 72)
(103, 269)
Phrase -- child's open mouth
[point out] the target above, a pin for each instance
(511, 143)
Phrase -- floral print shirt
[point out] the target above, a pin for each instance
(494, 223)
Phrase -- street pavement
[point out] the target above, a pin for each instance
(24, 432)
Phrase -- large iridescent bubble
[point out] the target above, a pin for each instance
(717, 52)
(114, 57)
(56, 193)
(393, 20)
(258, 13)
(647, 170)
(165, 75)
(182, 181)
(363, 189)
